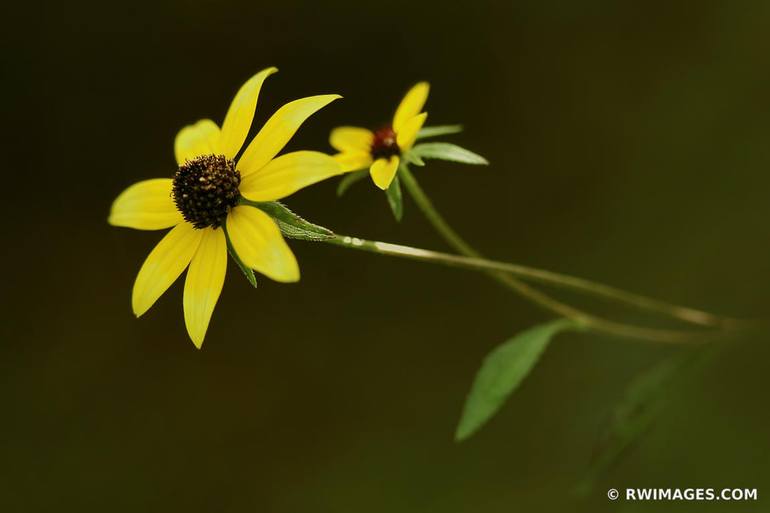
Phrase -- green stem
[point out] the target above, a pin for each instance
(499, 268)
(506, 277)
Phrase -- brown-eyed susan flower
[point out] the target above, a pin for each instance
(382, 149)
(202, 203)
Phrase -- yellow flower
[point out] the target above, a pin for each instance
(203, 196)
(381, 150)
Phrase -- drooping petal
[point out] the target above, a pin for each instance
(260, 245)
(383, 171)
(353, 160)
(351, 138)
(411, 105)
(239, 116)
(163, 265)
(192, 141)
(204, 282)
(287, 174)
(278, 130)
(146, 205)
(408, 133)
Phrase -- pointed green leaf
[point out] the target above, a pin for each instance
(433, 131)
(245, 270)
(502, 372)
(349, 179)
(412, 158)
(448, 151)
(643, 400)
(291, 225)
(395, 200)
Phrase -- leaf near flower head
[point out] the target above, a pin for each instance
(434, 131)
(395, 199)
(248, 273)
(448, 151)
(349, 179)
(291, 225)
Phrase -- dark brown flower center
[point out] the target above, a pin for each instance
(205, 189)
(384, 144)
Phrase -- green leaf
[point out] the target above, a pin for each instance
(412, 158)
(395, 200)
(349, 179)
(448, 151)
(503, 371)
(643, 400)
(433, 131)
(291, 225)
(245, 270)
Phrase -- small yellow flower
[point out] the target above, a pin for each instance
(203, 197)
(381, 151)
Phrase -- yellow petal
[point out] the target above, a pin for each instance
(287, 174)
(383, 171)
(241, 113)
(411, 105)
(146, 205)
(278, 130)
(163, 266)
(260, 245)
(351, 138)
(192, 141)
(408, 133)
(353, 160)
(204, 282)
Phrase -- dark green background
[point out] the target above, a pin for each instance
(629, 143)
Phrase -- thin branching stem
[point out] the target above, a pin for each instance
(499, 269)
(507, 275)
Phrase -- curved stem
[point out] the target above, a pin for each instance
(681, 313)
(498, 270)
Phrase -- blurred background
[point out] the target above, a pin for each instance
(628, 142)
